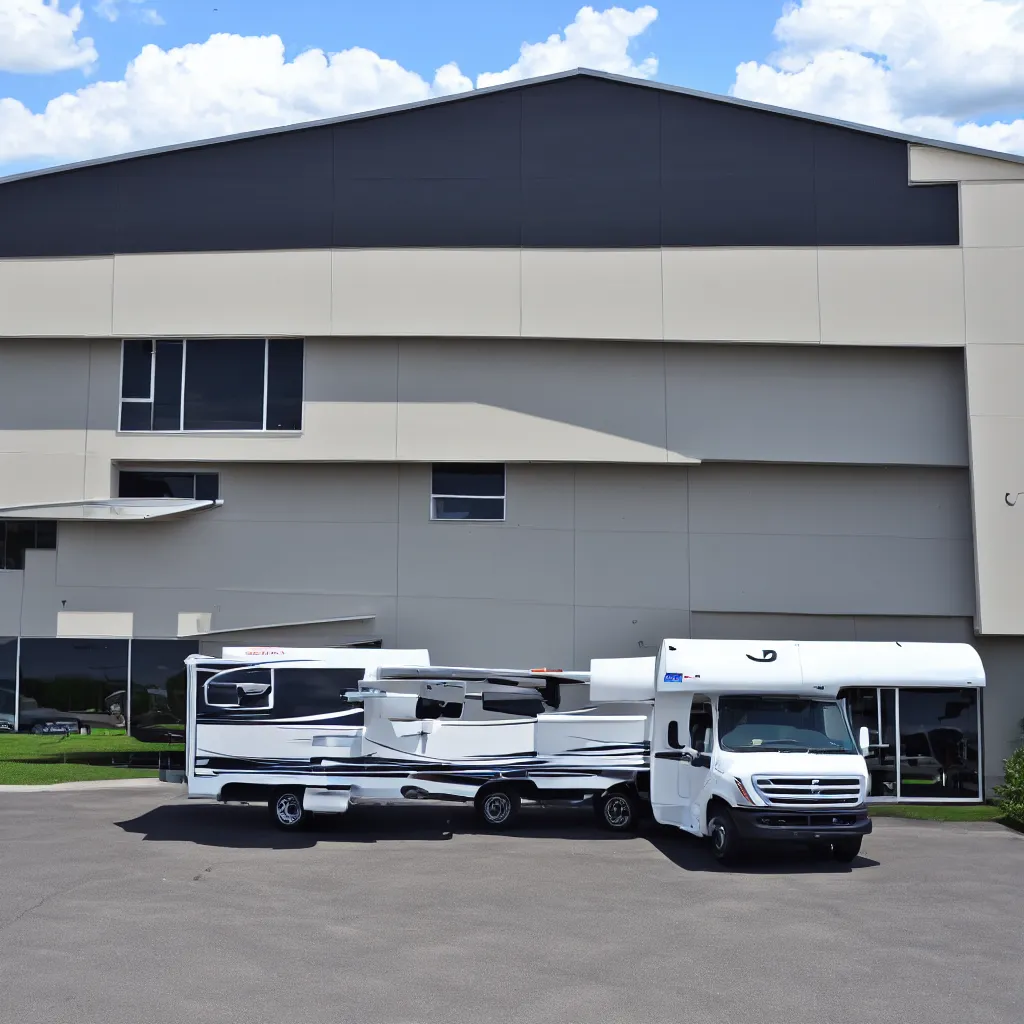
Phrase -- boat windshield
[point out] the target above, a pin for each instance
(783, 724)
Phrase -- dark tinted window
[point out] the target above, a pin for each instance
(317, 691)
(461, 491)
(19, 536)
(167, 386)
(528, 707)
(137, 416)
(158, 689)
(463, 480)
(224, 384)
(154, 484)
(136, 369)
(284, 384)
(8, 669)
(85, 680)
(248, 688)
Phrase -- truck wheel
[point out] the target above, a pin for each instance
(497, 806)
(845, 850)
(617, 811)
(287, 812)
(725, 842)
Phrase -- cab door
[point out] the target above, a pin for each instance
(670, 756)
(695, 767)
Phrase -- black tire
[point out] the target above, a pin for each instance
(286, 810)
(497, 807)
(845, 850)
(617, 811)
(725, 841)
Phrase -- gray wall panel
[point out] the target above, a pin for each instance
(617, 568)
(830, 501)
(632, 498)
(467, 631)
(831, 575)
(815, 404)
(351, 370)
(43, 385)
(485, 561)
(10, 603)
(617, 632)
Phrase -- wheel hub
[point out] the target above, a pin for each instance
(497, 807)
(616, 811)
(288, 809)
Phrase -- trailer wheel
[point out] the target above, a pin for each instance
(497, 806)
(725, 842)
(617, 811)
(286, 810)
(845, 850)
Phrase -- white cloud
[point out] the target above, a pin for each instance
(111, 11)
(37, 36)
(929, 67)
(596, 39)
(233, 83)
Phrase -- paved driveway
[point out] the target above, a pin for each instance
(135, 906)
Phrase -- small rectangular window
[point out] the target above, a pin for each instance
(149, 483)
(284, 385)
(468, 491)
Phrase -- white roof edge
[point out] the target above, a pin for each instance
(108, 509)
(456, 97)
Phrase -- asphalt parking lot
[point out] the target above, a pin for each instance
(136, 906)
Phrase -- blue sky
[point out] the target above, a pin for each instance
(940, 68)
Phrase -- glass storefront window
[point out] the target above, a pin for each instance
(939, 748)
(72, 685)
(158, 689)
(8, 672)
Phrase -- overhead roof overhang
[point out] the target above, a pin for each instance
(109, 509)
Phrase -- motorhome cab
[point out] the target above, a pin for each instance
(749, 740)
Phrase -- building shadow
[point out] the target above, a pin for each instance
(244, 827)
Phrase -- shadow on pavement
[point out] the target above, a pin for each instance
(249, 828)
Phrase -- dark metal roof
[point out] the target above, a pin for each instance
(464, 96)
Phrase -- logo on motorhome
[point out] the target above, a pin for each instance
(765, 656)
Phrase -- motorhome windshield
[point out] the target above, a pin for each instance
(767, 723)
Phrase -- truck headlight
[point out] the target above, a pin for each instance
(743, 790)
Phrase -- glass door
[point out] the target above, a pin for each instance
(875, 708)
(940, 750)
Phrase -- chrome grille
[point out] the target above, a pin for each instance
(806, 790)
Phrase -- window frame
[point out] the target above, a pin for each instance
(34, 546)
(503, 498)
(122, 401)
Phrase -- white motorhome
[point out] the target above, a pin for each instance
(749, 740)
(727, 739)
(313, 731)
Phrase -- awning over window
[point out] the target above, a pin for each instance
(110, 509)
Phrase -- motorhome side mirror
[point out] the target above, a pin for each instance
(864, 739)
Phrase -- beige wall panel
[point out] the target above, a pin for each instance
(998, 444)
(995, 298)
(42, 442)
(34, 478)
(448, 292)
(94, 623)
(912, 296)
(992, 213)
(929, 163)
(238, 293)
(995, 374)
(472, 432)
(592, 294)
(55, 298)
(741, 295)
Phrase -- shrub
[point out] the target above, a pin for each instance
(1011, 793)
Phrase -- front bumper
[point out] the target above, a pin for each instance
(770, 823)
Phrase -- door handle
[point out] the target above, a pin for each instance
(672, 755)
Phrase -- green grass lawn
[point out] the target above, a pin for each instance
(30, 760)
(13, 773)
(937, 812)
(26, 746)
